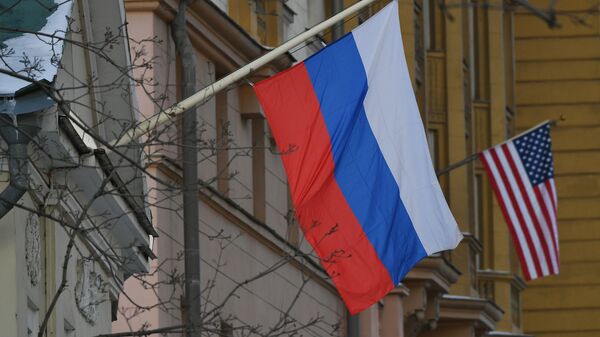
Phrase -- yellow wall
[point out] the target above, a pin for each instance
(558, 76)
(260, 18)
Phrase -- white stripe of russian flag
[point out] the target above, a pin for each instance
(393, 115)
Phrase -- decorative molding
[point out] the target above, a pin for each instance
(89, 291)
(437, 272)
(33, 248)
(480, 313)
(428, 280)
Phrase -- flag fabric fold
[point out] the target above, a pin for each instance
(522, 175)
(357, 161)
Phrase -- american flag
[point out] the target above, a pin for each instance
(522, 175)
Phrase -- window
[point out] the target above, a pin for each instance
(427, 24)
(288, 19)
(473, 267)
(432, 138)
(433, 25)
(293, 230)
(468, 71)
(467, 105)
(480, 53)
(261, 20)
(419, 42)
(353, 324)
(510, 127)
(269, 21)
(487, 289)
(436, 140)
(478, 216)
(509, 71)
(258, 168)
(515, 305)
(419, 64)
(222, 144)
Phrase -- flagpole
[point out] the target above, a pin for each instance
(209, 91)
(457, 164)
(476, 155)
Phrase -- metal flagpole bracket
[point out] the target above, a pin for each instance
(457, 164)
(548, 16)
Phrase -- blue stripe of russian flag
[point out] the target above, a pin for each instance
(340, 83)
(359, 169)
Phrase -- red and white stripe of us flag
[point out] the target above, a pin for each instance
(530, 211)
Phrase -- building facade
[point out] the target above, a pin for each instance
(461, 59)
(557, 76)
(256, 272)
(73, 225)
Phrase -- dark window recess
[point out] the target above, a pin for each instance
(419, 43)
(510, 117)
(353, 325)
(432, 141)
(515, 306)
(479, 219)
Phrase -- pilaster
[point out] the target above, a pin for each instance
(498, 127)
(392, 315)
(458, 194)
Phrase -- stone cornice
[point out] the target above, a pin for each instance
(504, 276)
(506, 334)
(401, 290)
(482, 313)
(436, 271)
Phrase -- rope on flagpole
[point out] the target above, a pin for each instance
(474, 156)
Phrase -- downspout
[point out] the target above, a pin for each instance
(17, 134)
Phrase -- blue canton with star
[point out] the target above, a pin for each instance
(535, 150)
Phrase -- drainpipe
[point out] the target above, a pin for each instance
(17, 134)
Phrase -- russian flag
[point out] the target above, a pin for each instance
(357, 160)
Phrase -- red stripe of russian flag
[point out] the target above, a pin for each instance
(329, 224)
